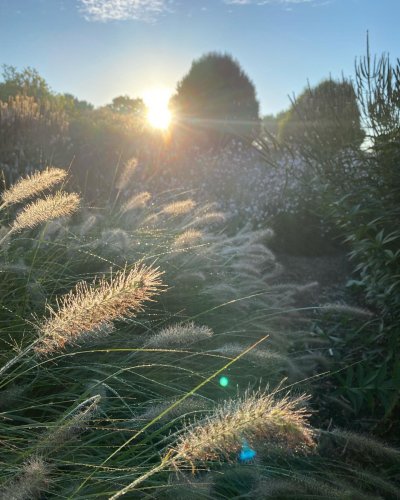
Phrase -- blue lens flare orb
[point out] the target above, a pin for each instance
(224, 381)
(246, 454)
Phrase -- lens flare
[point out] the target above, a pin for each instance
(157, 102)
(246, 453)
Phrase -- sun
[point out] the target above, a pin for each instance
(158, 113)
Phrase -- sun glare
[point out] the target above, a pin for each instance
(158, 113)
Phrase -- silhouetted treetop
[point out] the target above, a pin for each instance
(326, 115)
(216, 93)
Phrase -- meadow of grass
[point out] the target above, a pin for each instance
(153, 346)
(147, 353)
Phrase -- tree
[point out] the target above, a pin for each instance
(72, 105)
(216, 96)
(126, 105)
(324, 117)
(27, 82)
(270, 123)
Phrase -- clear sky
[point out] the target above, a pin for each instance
(98, 49)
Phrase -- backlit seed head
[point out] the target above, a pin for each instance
(33, 185)
(88, 309)
(257, 417)
(179, 207)
(46, 209)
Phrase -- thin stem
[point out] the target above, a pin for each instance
(10, 232)
(142, 478)
(17, 358)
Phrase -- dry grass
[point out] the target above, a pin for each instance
(179, 207)
(256, 418)
(30, 483)
(180, 335)
(187, 239)
(51, 207)
(137, 201)
(33, 185)
(87, 309)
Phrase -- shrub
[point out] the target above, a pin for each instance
(31, 133)
(324, 118)
(357, 192)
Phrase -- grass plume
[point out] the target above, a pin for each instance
(89, 308)
(179, 207)
(32, 185)
(51, 207)
(30, 483)
(256, 417)
(180, 335)
(62, 434)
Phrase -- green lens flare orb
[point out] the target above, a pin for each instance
(223, 381)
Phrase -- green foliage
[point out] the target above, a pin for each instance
(355, 189)
(39, 127)
(72, 105)
(324, 118)
(94, 412)
(126, 105)
(27, 82)
(216, 97)
(366, 370)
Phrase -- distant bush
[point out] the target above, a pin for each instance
(112, 387)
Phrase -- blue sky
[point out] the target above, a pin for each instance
(98, 49)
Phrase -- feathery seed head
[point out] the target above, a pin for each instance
(32, 480)
(55, 229)
(259, 355)
(90, 308)
(209, 219)
(255, 418)
(187, 239)
(33, 185)
(180, 335)
(151, 220)
(347, 309)
(73, 425)
(127, 173)
(49, 208)
(91, 220)
(137, 201)
(179, 207)
(115, 239)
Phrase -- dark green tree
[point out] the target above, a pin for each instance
(324, 119)
(217, 97)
